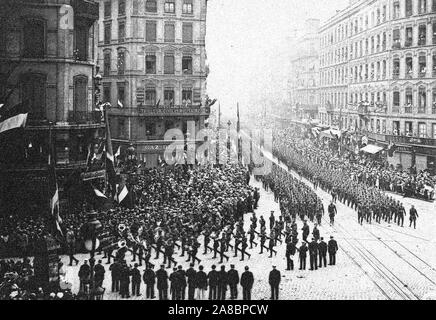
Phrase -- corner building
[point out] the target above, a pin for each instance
(154, 70)
(377, 70)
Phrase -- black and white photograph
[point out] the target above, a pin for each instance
(228, 153)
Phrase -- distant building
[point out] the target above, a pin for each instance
(377, 68)
(154, 70)
(47, 59)
(304, 80)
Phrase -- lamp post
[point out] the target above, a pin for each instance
(90, 232)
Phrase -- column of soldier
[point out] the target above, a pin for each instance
(335, 175)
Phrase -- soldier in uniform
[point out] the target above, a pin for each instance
(274, 282)
(306, 231)
(244, 247)
(262, 222)
(253, 220)
(332, 249)
(159, 240)
(262, 239)
(360, 214)
(149, 281)
(206, 240)
(233, 281)
(216, 244)
(413, 214)
(290, 252)
(222, 247)
(247, 281)
(169, 250)
(174, 288)
(272, 220)
(302, 253)
(322, 250)
(213, 283)
(332, 213)
(252, 236)
(313, 253)
(136, 281)
(401, 214)
(315, 232)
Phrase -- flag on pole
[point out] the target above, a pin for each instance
(158, 103)
(110, 164)
(118, 153)
(14, 117)
(120, 105)
(53, 192)
(98, 193)
(122, 195)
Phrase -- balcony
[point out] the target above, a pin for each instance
(87, 9)
(400, 139)
(176, 111)
(408, 109)
(84, 117)
(396, 45)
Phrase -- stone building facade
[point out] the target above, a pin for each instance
(377, 71)
(154, 70)
(47, 59)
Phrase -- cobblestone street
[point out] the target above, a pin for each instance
(377, 261)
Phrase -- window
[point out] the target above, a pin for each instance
(121, 62)
(409, 37)
(422, 100)
(169, 32)
(169, 97)
(422, 35)
(384, 13)
(34, 39)
(422, 65)
(107, 33)
(187, 65)
(151, 6)
(150, 31)
(107, 64)
(81, 42)
(396, 101)
(121, 94)
(396, 10)
(422, 6)
(409, 100)
(107, 9)
(121, 126)
(121, 31)
(187, 7)
(187, 33)
(187, 97)
(433, 6)
(422, 130)
(80, 96)
(150, 63)
(121, 7)
(169, 64)
(33, 92)
(409, 67)
(384, 69)
(135, 6)
(106, 92)
(170, 6)
(150, 96)
(409, 8)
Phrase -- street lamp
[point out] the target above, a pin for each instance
(89, 232)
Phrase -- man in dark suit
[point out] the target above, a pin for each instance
(247, 281)
(322, 251)
(136, 281)
(332, 249)
(115, 269)
(99, 272)
(313, 254)
(191, 274)
(162, 283)
(290, 252)
(233, 280)
(274, 282)
(149, 281)
(201, 283)
(302, 254)
(222, 283)
(181, 279)
(213, 283)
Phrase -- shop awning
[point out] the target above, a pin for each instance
(370, 148)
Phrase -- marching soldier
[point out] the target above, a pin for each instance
(262, 222)
(216, 244)
(332, 212)
(271, 243)
(206, 239)
(244, 247)
(315, 233)
(262, 239)
(306, 231)
(252, 236)
(222, 247)
(253, 220)
(401, 214)
(272, 220)
(413, 214)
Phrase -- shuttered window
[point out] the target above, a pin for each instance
(150, 31)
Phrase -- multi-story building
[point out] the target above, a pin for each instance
(377, 69)
(304, 80)
(47, 61)
(154, 70)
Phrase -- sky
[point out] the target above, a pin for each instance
(248, 46)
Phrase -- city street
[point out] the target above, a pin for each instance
(377, 261)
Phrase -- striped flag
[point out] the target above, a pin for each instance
(120, 105)
(98, 193)
(54, 193)
(14, 117)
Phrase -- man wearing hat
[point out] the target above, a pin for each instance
(149, 281)
(274, 282)
(99, 272)
(213, 283)
(332, 249)
(233, 280)
(162, 283)
(222, 283)
(247, 281)
(136, 281)
(191, 274)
